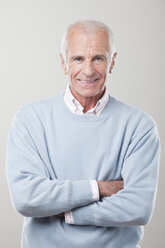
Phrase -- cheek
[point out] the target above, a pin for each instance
(102, 70)
(73, 70)
(103, 73)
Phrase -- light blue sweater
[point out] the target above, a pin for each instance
(52, 155)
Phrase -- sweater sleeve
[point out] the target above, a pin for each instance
(134, 204)
(32, 190)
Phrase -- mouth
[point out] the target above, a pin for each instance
(88, 82)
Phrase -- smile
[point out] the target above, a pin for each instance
(88, 81)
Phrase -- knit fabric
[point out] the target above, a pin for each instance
(52, 156)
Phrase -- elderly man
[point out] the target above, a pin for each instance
(82, 166)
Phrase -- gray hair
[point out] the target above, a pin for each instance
(88, 26)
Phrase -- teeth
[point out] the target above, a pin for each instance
(87, 81)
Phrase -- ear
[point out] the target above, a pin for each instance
(113, 62)
(63, 63)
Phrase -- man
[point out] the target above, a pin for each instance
(82, 166)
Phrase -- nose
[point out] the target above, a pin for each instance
(88, 69)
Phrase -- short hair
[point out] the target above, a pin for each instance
(89, 26)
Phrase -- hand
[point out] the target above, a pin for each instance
(61, 215)
(108, 188)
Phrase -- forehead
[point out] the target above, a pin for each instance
(80, 41)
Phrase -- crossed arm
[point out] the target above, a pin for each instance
(106, 189)
(35, 195)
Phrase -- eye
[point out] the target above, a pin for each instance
(78, 59)
(99, 58)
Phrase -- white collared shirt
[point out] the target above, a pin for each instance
(77, 108)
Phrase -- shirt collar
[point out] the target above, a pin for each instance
(77, 108)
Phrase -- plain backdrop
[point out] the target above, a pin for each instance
(30, 36)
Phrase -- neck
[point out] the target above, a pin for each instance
(88, 102)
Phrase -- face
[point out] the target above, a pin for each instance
(87, 63)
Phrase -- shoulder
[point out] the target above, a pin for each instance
(132, 117)
(38, 109)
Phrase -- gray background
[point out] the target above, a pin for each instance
(30, 35)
